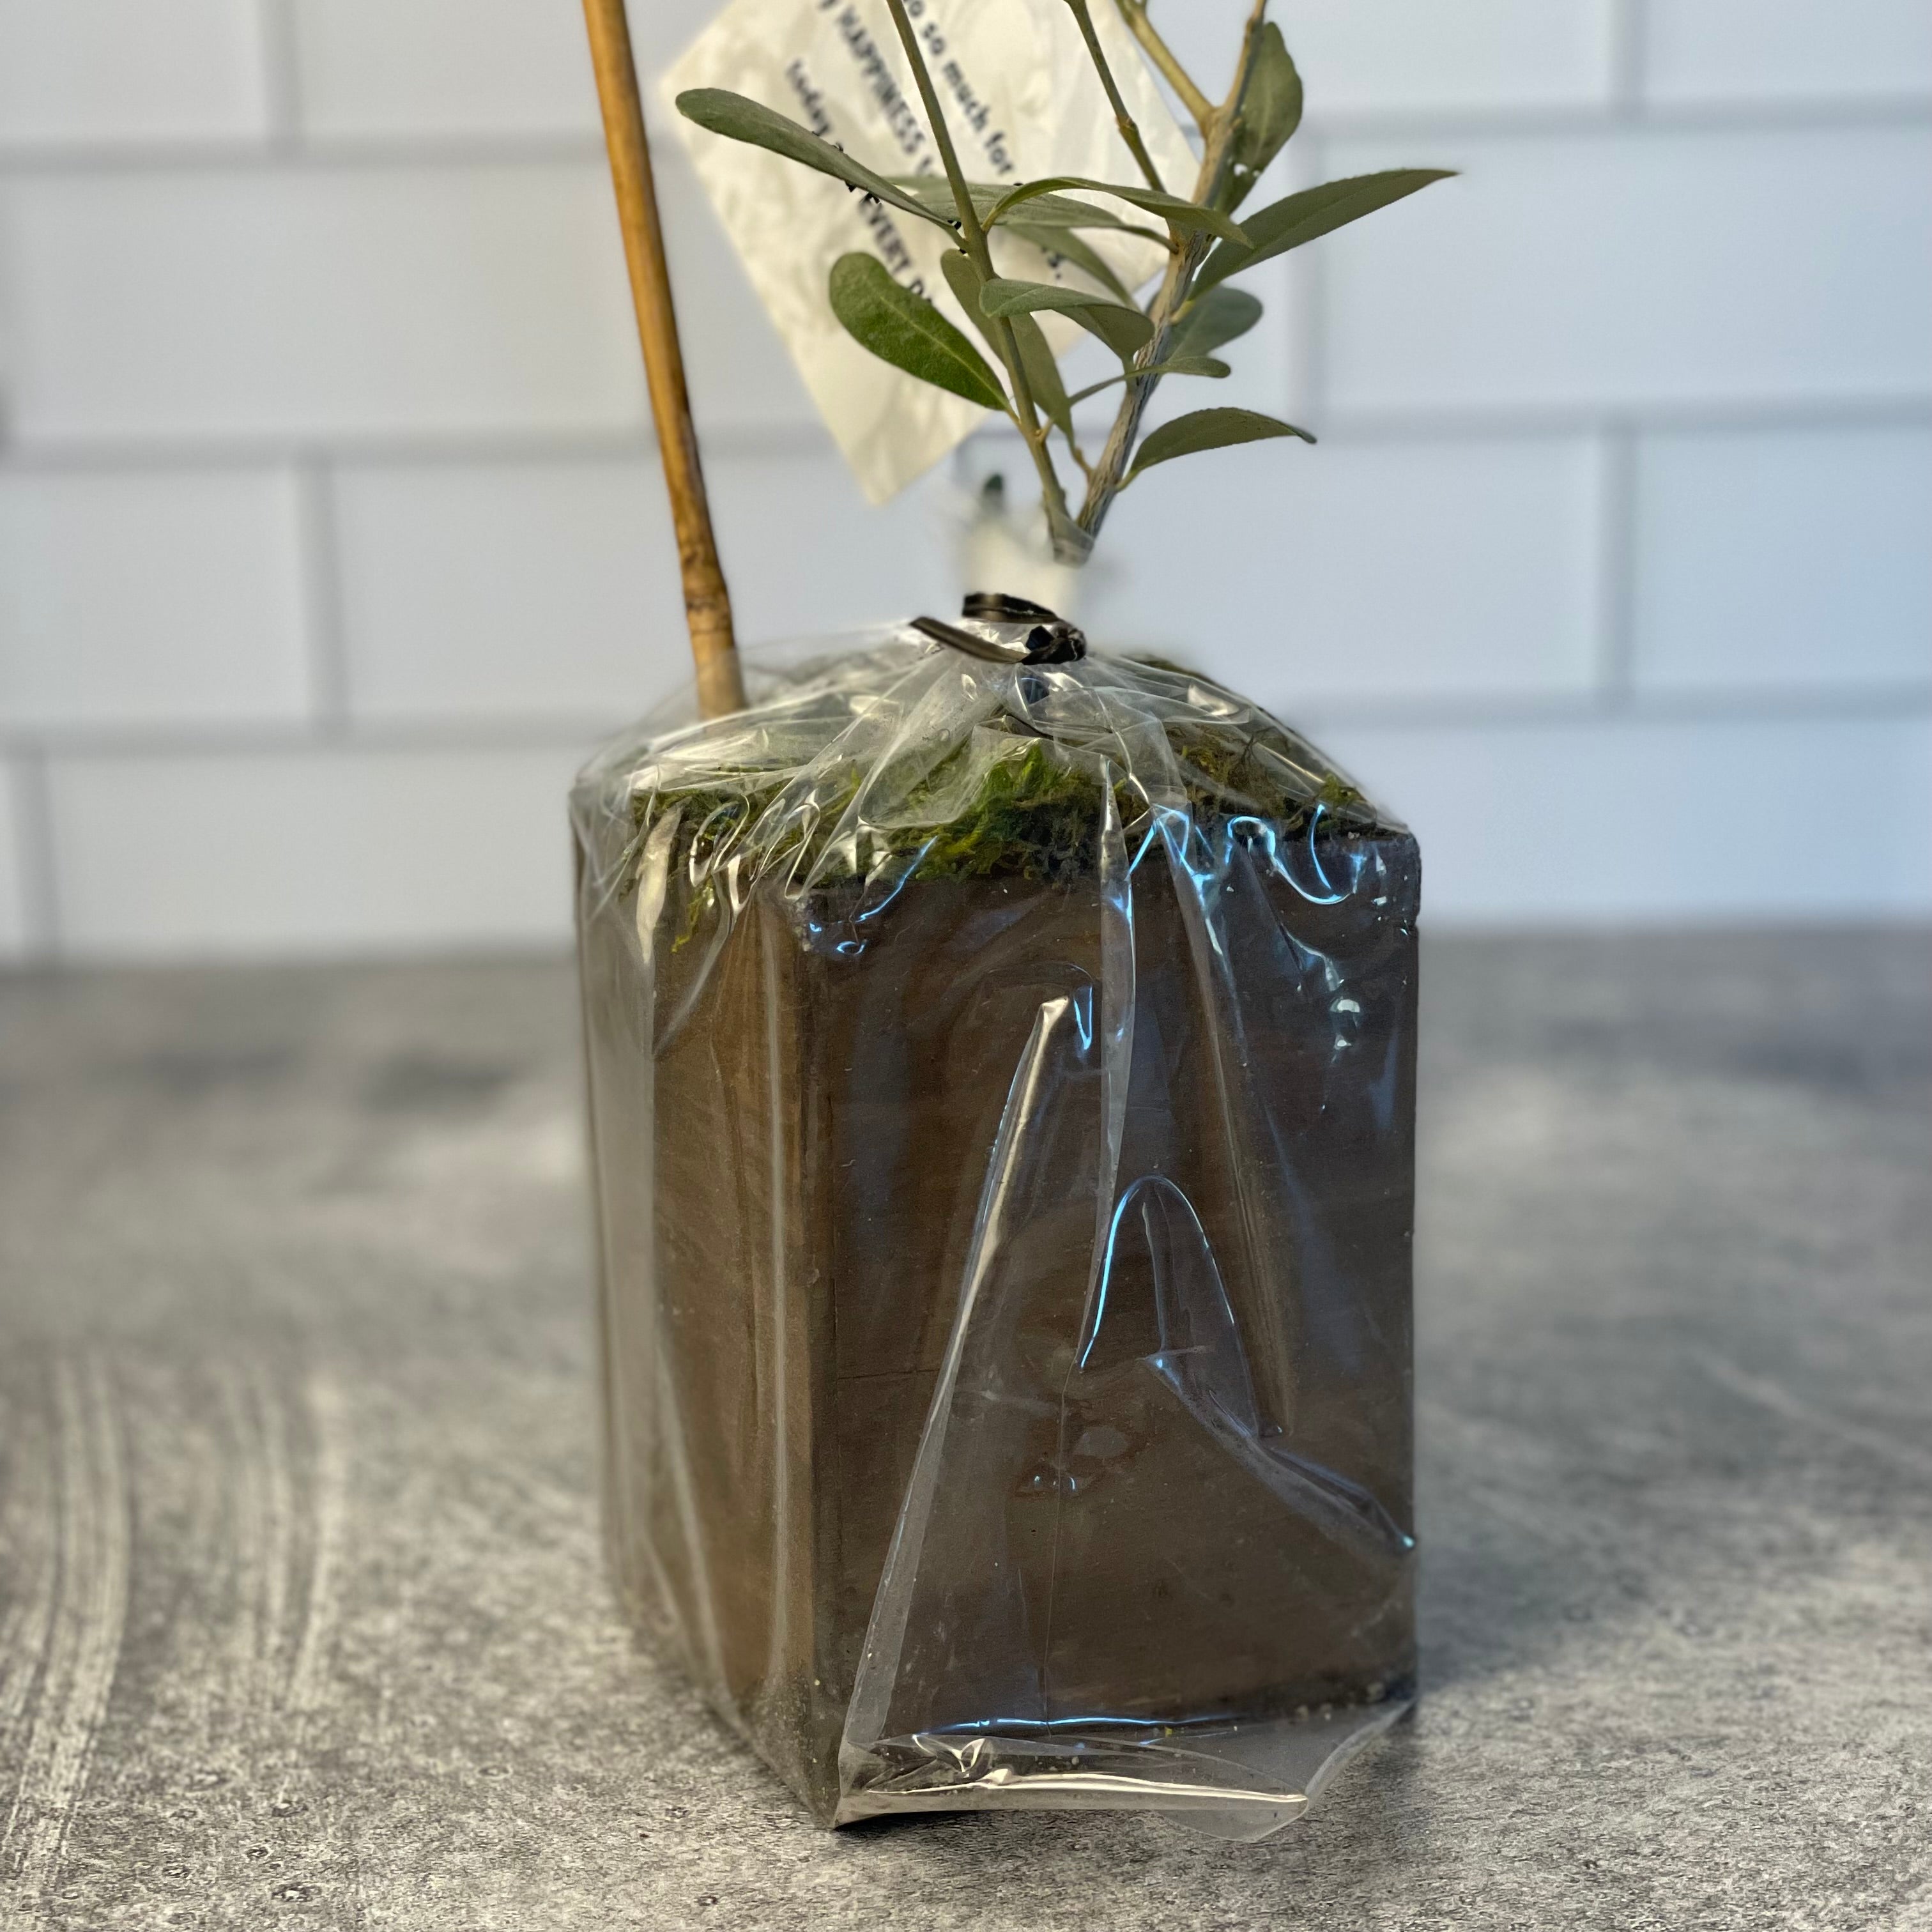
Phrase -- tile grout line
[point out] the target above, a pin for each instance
(1629, 62)
(289, 145)
(1399, 423)
(33, 844)
(428, 733)
(1406, 421)
(408, 447)
(1615, 563)
(280, 146)
(319, 562)
(281, 78)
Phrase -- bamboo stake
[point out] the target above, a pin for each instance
(707, 604)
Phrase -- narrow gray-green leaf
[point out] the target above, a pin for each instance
(1271, 107)
(740, 118)
(965, 281)
(1069, 247)
(1065, 211)
(1042, 373)
(1045, 210)
(907, 331)
(1314, 212)
(1125, 331)
(1175, 365)
(1213, 319)
(1208, 429)
(1189, 217)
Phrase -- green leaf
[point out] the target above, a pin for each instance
(1042, 373)
(740, 118)
(965, 281)
(1314, 212)
(1063, 211)
(1208, 429)
(1125, 331)
(907, 331)
(1212, 320)
(1175, 365)
(1271, 107)
(1069, 247)
(1189, 217)
(1045, 211)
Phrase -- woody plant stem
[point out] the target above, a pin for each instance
(1135, 13)
(1217, 129)
(1129, 128)
(1067, 545)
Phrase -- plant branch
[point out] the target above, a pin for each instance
(1135, 13)
(1128, 375)
(1130, 129)
(1218, 131)
(970, 227)
(973, 239)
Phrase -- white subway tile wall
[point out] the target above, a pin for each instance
(1377, 57)
(1789, 558)
(1481, 54)
(412, 69)
(302, 299)
(506, 590)
(309, 849)
(1636, 268)
(1695, 819)
(1461, 568)
(804, 553)
(331, 534)
(123, 72)
(151, 597)
(1748, 51)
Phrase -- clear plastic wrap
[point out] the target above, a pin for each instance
(1002, 1094)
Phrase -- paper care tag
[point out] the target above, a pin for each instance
(1021, 100)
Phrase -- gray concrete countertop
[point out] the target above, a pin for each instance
(301, 1618)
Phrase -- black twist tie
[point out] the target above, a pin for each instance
(1007, 630)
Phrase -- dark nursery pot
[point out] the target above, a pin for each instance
(1002, 1096)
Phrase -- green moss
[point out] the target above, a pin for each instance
(1034, 814)
(1035, 817)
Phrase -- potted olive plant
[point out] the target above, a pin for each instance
(1001, 1060)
